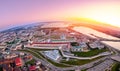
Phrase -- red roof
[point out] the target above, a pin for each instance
(18, 61)
(51, 43)
(32, 68)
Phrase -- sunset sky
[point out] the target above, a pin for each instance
(19, 12)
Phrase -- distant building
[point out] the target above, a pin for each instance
(10, 56)
(2, 46)
(55, 25)
(96, 45)
(83, 44)
(82, 47)
(93, 46)
(17, 47)
(6, 52)
(79, 49)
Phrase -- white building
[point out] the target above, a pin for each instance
(53, 54)
(93, 46)
(96, 45)
(81, 48)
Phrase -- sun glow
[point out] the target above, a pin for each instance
(106, 13)
(106, 18)
(112, 20)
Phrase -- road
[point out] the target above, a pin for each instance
(85, 58)
(102, 66)
(54, 68)
(89, 65)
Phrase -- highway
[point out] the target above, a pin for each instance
(102, 66)
(55, 68)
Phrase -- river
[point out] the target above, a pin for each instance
(88, 31)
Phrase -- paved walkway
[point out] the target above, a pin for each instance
(85, 58)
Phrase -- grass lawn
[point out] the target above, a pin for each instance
(116, 67)
(84, 70)
(78, 62)
(57, 64)
(93, 52)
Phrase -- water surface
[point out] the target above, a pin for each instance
(88, 31)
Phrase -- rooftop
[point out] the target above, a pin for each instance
(54, 54)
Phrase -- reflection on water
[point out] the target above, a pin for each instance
(112, 44)
(89, 31)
